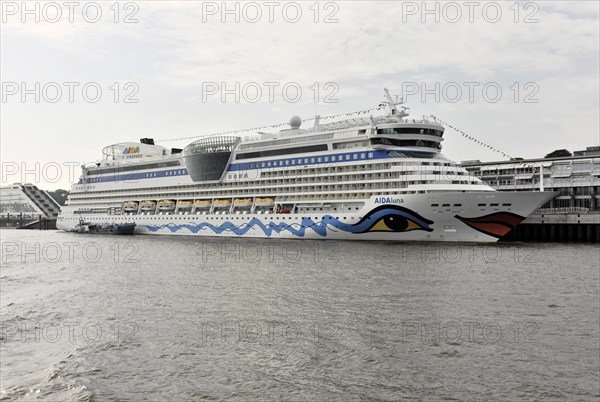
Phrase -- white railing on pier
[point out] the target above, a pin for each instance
(563, 210)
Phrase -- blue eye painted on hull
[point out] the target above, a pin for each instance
(391, 218)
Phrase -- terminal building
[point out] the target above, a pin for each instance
(574, 214)
(24, 204)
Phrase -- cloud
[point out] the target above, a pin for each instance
(175, 47)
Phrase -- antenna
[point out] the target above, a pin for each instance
(392, 104)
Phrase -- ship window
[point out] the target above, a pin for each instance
(410, 130)
(355, 156)
(434, 205)
(312, 160)
(409, 143)
(327, 159)
(458, 205)
(481, 205)
(319, 160)
(493, 205)
(362, 155)
(370, 154)
(506, 205)
(285, 151)
(347, 157)
(305, 160)
(445, 205)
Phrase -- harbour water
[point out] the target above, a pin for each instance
(106, 318)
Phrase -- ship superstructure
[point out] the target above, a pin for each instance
(376, 178)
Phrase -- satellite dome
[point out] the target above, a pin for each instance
(295, 122)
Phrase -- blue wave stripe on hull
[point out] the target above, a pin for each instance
(297, 229)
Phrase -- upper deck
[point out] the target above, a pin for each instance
(210, 157)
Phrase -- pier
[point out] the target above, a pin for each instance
(573, 215)
(24, 206)
(561, 225)
(27, 221)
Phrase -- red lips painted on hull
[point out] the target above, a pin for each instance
(497, 224)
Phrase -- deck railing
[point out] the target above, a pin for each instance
(563, 210)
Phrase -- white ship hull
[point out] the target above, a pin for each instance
(457, 217)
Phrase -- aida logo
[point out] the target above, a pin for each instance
(388, 200)
(131, 150)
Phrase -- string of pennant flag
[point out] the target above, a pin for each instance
(334, 116)
(255, 129)
(473, 139)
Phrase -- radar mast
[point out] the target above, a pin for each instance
(392, 104)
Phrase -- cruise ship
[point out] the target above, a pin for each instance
(371, 178)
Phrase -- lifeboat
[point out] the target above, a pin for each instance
(166, 205)
(148, 206)
(184, 205)
(130, 206)
(222, 203)
(202, 203)
(243, 202)
(265, 202)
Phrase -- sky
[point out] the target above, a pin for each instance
(522, 77)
